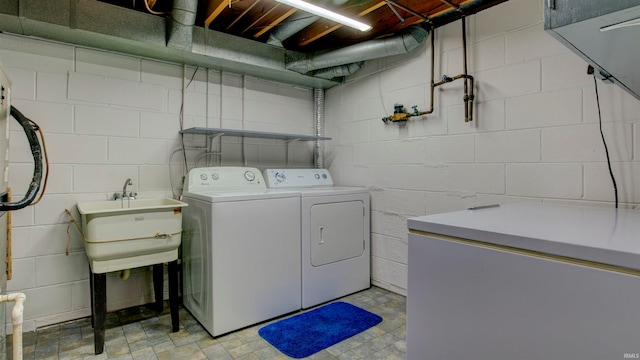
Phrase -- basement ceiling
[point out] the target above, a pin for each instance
(261, 38)
(261, 20)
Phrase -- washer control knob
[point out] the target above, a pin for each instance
(215, 176)
(203, 177)
(317, 176)
(324, 176)
(280, 177)
(249, 175)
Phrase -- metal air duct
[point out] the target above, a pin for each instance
(318, 124)
(180, 24)
(96, 24)
(372, 49)
(338, 71)
(295, 23)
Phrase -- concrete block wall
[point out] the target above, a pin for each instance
(535, 136)
(107, 117)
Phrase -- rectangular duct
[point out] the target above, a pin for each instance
(95, 24)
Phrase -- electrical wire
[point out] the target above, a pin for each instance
(184, 151)
(146, 4)
(604, 142)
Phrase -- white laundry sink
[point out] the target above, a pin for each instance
(123, 234)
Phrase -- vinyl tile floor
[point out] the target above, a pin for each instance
(140, 334)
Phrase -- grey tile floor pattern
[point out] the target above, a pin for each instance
(140, 334)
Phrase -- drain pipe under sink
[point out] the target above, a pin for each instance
(124, 274)
(16, 321)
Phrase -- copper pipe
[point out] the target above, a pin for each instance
(468, 79)
(464, 71)
(468, 83)
(433, 61)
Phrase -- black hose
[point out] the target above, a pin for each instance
(36, 151)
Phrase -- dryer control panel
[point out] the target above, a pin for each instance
(224, 178)
(289, 178)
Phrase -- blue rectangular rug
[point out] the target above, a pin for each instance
(307, 333)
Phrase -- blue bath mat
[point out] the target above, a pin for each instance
(307, 333)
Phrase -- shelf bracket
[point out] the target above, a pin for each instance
(211, 139)
(286, 149)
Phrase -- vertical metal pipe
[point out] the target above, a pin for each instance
(433, 61)
(318, 122)
(464, 57)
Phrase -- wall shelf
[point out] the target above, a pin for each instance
(253, 134)
(214, 133)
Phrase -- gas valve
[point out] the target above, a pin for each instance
(400, 114)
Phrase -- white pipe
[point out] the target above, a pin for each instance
(16, 321)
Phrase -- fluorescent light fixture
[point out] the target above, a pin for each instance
(327, 14)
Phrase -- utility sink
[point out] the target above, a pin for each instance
(123, 234)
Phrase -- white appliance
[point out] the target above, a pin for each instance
(335, 225)
(524, 281)
(240, 249)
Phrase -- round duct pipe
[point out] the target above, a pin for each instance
(372, 49)
(318, 123)
(180, 24)
(339, 71)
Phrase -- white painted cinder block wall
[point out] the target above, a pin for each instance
(535, 135)
(108, 117)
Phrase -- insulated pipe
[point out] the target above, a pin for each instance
(180, 24)
(367, 50)
(295, 23)
(318, 122)
(36, 152)
(16, 320)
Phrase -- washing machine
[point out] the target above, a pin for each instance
(240, 249)
(335, 228)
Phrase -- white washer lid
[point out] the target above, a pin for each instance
(225, 196)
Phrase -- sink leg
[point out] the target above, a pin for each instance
(173, 294)
(158, 286)
(91, 292)
(99, 302)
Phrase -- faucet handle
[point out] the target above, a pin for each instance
(116, 196)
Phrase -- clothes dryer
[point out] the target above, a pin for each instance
(240, 249)
(335, 228)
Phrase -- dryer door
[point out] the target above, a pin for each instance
(337, 232)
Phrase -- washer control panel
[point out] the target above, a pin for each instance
(288, 178)
(224, 178)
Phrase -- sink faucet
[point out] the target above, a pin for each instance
(124, 188)
(124, 195)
